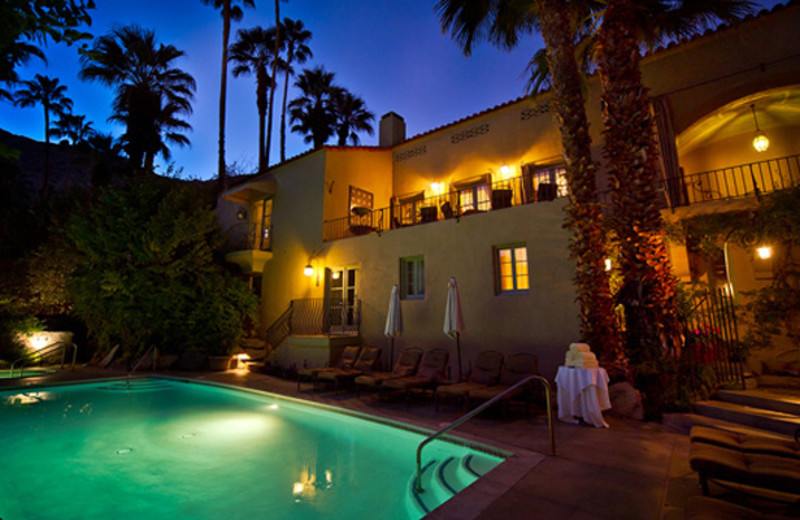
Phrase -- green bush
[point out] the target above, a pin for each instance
(147, 271)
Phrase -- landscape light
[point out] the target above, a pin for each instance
(764, 252)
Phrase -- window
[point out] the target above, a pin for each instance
(409, 208)
(412, 278)
(544, 182)
(474, 195)
(511, 268)
(260, 237)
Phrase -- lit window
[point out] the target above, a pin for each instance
(475, 198)
(512, 268)
(412, 278)
(544, 183)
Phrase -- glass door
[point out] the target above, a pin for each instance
(342, 296)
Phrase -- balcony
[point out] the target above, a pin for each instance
(248, 246)
(498, 195)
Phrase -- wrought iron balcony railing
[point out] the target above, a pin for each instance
(323, 316)
(244, 236)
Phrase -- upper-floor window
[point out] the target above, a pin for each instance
(474, 194)
(261, 226)
(544, 182)
(412, 277)
(360, 205)
(511, 268)
(409, 209)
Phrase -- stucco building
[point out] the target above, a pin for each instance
(328, 233)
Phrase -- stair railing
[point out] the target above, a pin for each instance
(49, 349)
(469, 415)
(152, 349)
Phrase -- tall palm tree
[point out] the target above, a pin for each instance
(52, 96)
(252, 52)
(295, 38)
(312, 112)
(351, 116)
(151, 93)
(502, 22)
(277, 46)
(649, 288)
(231, 10)
(72, 127)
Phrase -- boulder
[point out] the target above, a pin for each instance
(626, 401)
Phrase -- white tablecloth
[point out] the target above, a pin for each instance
(583, 393)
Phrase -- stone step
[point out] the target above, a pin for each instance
(770, 420)
(762, 398)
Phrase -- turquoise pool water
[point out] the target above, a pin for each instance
(177, 450)
(27, 372)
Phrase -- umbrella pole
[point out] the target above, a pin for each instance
(391, 354)
(458, 351)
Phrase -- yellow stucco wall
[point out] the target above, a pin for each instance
(370, 170)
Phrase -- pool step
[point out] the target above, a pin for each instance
(137, 385)
(442, 479)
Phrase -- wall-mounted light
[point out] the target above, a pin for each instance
(437, 188)
(308, 270)
(506, 172)
(336, 274)
(241, 214)
(764, 252)
(760, 140)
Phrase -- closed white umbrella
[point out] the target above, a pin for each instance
(394, 320)
(453, 320)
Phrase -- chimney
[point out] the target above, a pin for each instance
(392, 130)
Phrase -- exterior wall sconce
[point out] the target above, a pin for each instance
(506, 172)
(308, 270)
(437, 188)
(241, 214)
(764, 252)
(760, 140)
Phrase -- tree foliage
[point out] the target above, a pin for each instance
(147, 273)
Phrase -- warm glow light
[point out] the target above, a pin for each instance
(437, 188)
(336, 275)
(761, 142)
(298, 488)
(38, 341)
(764, 252)
(505, 171)
(308, 270)
(273, 407)
(608, 264)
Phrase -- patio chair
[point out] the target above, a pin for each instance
(765, 472)
(516, 368)
(406, 365)
(366, 362)
(431, 370)
(748, 443)
(705, 508)
(348, 359)
(488, 365)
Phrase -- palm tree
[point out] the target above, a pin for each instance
(503, 21)
(72, 127)
(252, 52)
(52, 96)
(351, 116)
(151, 94)
(295, 37)
(230, 10)
(277, 46)
(312, 112)
(649, 288)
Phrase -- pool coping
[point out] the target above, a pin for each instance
(468, 504)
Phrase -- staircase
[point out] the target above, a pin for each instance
(765, 410)
(442, 479)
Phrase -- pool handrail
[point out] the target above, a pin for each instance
(469, 415)
(49, 349)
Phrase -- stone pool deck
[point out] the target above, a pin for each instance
(633, 470)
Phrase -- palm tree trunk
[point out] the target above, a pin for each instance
(223, 88)
(649, 288)
(584, 218)
(262, 80)
(46, 182)
(283, 107)
(274, 77)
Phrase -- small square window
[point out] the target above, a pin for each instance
(412, 278)
(511, 268)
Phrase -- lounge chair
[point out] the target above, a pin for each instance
(431, 370)
(705, 508)
(516, 368)
(748, 443)
(767, 472)
(406, 365)
(488, 365)
(366, 362)
(348, 359)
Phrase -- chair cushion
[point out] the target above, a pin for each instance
(745, 442)
(754, 469)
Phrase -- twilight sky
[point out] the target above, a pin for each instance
(392, 53)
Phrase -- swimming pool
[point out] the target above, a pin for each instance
(173, 449)
(26, 372)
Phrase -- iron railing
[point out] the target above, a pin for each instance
(42, 353)
(323, 316)
(243, 236)
(498, 195)
(711, 339)
(280, 328)
(469, 415)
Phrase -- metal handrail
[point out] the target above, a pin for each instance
(143, 358)
(49, 349)
(469, 415)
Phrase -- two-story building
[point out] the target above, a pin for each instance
(324, 236)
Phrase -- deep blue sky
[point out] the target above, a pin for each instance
(392, 53)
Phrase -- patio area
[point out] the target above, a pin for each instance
(633, 470)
